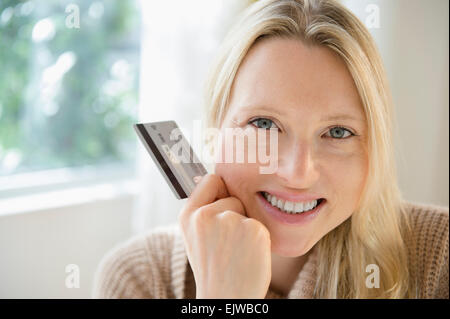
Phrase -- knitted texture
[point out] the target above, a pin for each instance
(155, 264)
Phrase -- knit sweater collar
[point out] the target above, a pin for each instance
(303, 287)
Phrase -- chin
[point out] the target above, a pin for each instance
(284, 249)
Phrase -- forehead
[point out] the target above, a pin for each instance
(289, 75)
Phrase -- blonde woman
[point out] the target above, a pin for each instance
(330, 222)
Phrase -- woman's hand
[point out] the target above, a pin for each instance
(229, 253)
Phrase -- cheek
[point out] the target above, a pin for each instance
(239, 178)
(346, 174)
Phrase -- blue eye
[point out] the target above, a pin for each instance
(339, 133)
(263, 123)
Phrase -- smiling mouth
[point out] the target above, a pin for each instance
(290, 207)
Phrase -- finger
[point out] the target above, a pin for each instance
(210, 188)
(224, 204)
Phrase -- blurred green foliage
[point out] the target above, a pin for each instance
(68, 95)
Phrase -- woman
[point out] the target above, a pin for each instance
(330, 221)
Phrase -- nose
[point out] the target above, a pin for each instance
(297, 166)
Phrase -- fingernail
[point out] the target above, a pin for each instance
(197, 179)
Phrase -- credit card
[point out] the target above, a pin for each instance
(172, 154)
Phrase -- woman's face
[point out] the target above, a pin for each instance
(308, 95)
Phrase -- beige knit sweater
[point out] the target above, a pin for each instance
(155, 265)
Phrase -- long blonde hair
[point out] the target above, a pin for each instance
(375, 234)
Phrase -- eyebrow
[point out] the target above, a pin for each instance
(333, 117)
(341, 117)
(263, 107)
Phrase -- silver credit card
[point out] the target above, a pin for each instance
(172, 154)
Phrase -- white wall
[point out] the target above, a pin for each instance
(36, 247)
(413, 41)
(420, 86)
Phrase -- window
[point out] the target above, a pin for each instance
(68, 92)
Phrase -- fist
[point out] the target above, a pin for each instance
(229, 253)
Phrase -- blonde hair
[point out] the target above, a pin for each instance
(377, 230)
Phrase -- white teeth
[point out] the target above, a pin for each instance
(298, 207)
(288, 206)
(307, 206)
(273, 201)
(280, 203)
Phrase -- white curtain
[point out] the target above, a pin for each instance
(179, 41)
